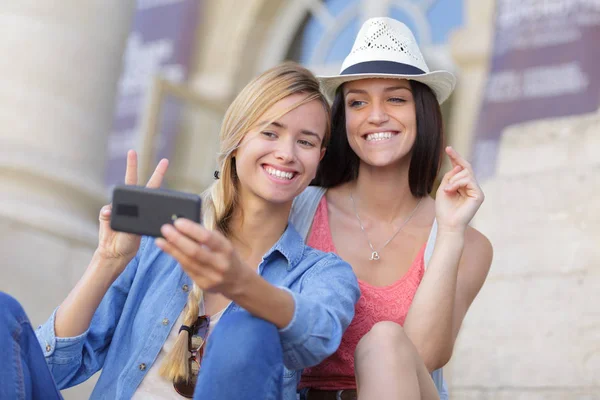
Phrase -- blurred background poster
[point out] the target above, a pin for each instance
(544, 64)
(161, 42)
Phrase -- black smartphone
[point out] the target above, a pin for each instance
(140, 210)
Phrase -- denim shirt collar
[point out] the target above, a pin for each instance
(290, 245)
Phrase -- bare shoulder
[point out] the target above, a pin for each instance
(337, 196)
(477, 244)
(477, 257)
(473, 270)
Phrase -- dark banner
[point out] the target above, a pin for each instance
(545, 64)
(161, 42)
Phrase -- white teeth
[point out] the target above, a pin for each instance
(279, 174)
(379, 136)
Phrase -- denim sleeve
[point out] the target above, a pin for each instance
(72, 360)
(324, 308)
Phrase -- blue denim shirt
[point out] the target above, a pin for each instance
(137, 313)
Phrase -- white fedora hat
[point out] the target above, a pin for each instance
(386, 48)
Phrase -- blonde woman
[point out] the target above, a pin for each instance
(144, 310)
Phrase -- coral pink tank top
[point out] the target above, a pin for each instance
(387, 303)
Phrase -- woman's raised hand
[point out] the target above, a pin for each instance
(119, 245)
(459, 196)
(206, 256)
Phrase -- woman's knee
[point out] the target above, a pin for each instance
(244, 327)
(245, 351)
(245, 339)
(385, 337)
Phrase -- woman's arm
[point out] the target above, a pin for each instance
(73, 359)
(115, 251)
(449, 286)
(324, 308)
(74, 315)
(264, 300)
(311, 322)
(458, 267)
(213, 264)
(64, 337)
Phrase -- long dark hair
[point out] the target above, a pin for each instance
(340, 163)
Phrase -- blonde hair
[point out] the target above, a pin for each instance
(220, 199)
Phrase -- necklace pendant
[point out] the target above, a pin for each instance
(374, 256)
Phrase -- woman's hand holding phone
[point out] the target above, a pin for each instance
(121, 247)
(206, 256)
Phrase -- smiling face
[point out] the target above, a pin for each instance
(381, 121)
(276, 162)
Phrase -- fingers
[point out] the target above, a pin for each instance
(187, 246)
(465, 173)
(205, 255)
(105, 213)
(158, 174)
(192, 263)
(212, 239)
(456, 159)
(450, 174)
(461, 177)
(131, 171)
(465, 187)
(464, 183)
(132, 168)
(457, 184)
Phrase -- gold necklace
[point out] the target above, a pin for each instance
(375, 254)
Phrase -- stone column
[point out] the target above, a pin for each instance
(61, 61)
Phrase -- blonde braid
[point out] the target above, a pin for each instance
(218, 205)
